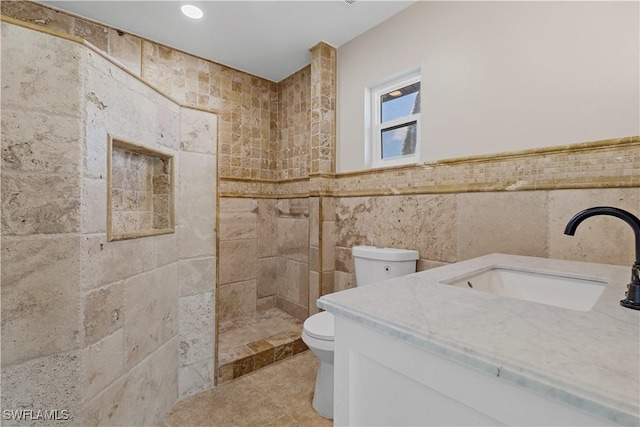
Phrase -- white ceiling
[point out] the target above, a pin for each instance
(270, 39)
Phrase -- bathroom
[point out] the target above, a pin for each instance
(531, 115)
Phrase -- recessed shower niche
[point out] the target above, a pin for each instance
(140, 191)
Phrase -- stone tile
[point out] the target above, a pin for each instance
(231, 355)
(40, 72)
(36, 14)
(94, 206)
(314, 292)
(298, 346)
(103, 363)
(425, 223)
(327, 285)
(425, 264)
(283, 421)
(329, 209)
(507, 222)
(40, 204)
(197, 240)
(238, 260)
(267, 272)
(105, 262)
(599, 239)
(51, 382)
(266, 303)
(197, 328)
(343, 281)
(151, 312)
(293, 238)
(143, 396)
(225, 373)
(166, 249)
(264, 358)
(195, 378)
(314, 259)
(126, 49)
(292, 308)
(197, 275)
(40, 312)
(198, 131)
(103, 312)
(344, 259)
(293, 281)
(196, 208)
(278, 378)
(243, 366)
(197, 170)
(267, 228)
(237, 299)
(38, 142)
(237, 221)
(259, 346)
(237, 402)
(328, 248)
(95, 34)
(314, 221)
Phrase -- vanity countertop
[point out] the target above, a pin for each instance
(589, 359)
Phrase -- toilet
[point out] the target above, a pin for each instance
(372, 265)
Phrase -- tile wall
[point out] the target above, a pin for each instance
(144, 312)
(294, 124)
(263, 256)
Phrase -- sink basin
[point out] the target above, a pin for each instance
(557, 289)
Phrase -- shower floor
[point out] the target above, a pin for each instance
(249, 343)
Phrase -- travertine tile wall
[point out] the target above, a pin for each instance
(323, 108)
(294, 109)
(238, 244)
(263, 256)
(267, 254)
(247, 105)
(195, 229)
(136, 302)
(447, 228)
(41, 223)
(292, 273)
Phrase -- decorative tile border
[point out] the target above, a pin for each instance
(609, 163)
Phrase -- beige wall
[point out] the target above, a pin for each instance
(500, 76)
(126, 327)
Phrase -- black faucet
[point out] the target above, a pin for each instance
(632, 299)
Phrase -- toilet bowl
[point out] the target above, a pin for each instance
(372, 265)
(317, 334)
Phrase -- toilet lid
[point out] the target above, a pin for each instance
(320, 326)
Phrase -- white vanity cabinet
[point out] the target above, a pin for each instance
(383, 381)
(416, 351)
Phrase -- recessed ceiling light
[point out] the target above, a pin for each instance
(192, 11)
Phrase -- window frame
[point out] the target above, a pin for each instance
(374, 134)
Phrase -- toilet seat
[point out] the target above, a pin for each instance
(320, 326)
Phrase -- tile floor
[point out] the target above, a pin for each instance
(277, 395)
(249, 343)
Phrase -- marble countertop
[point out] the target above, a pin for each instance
(589, 359)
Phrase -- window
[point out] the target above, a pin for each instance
(395, 121)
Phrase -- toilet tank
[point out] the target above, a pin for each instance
(374, 264)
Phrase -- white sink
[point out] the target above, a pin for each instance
(557, 289)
